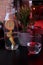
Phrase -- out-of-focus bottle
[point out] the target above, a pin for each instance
(10, 43)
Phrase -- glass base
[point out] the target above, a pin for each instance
(12, 47)
(34, 49)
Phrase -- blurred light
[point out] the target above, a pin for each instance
(33, 8)
(32, 27)
(13, 11)
(28, 44)
(7, 16)
(30, 3)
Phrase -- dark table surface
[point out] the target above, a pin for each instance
(20, 57)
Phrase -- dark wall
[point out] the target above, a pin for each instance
(37, 2)
(2, 41)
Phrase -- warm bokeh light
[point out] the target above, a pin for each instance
(33, 8)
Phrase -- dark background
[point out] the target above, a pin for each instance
(37, 2)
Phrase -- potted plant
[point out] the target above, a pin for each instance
(24, 14)
(24, 17)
